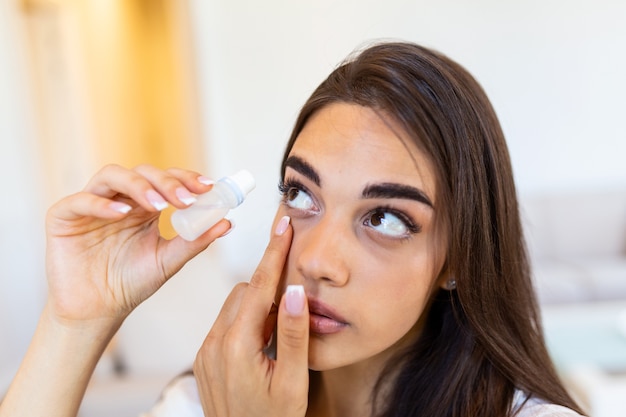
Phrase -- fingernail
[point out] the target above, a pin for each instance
(185, 196)
(205, 180)
(294, 299)
(156, 200)
(282, 225)
(120, 207)
(232, 226)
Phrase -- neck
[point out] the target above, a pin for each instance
(347, 391)
(336, 394)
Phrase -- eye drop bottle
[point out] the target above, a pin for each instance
(227, 193)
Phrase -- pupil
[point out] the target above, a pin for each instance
(292, 194)
(377, 219)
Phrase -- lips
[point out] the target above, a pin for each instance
(323, 319)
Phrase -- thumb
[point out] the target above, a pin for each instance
(292, 348)
(177, 252)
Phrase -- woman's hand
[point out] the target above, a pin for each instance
(235, 377)
(105, 254)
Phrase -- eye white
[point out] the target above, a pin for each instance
(299, 199)
(387, 224)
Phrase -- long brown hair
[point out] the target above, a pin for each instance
(482, 341)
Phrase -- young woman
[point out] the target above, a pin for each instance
(395, 283)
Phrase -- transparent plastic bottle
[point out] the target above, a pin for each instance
(227, 193)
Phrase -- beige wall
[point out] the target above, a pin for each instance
(83, 83)
(114, 83)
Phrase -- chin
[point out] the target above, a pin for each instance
(326, 358)
(321, 365)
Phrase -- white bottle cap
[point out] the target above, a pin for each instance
(244, 181)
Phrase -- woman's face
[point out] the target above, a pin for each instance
(361, 198)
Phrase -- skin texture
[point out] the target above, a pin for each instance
(380, 284)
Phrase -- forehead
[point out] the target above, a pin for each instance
(355, 142)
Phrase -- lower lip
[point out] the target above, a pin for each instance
(325, 325)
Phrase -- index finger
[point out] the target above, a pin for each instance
(261, 291)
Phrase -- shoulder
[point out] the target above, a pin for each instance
(535, 407)
(179, 399)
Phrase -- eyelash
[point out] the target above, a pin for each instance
(410, 224)
(287, 185)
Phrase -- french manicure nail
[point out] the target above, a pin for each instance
(294, 299)
(205, 180)
(156, 200)
(120, 207)
(282, 225)
(232, 226)
(185, 196)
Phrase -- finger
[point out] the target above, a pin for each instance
(194, 181)
(175, 185)
(87, 205)
(292, 349)
(176, 252)
(113, 180)
(264, 282)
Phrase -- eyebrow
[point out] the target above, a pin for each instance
(393, 190)
(304, 168)
(382, 190)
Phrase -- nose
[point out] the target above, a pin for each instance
(322, 251)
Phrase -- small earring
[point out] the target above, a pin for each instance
(451, 284)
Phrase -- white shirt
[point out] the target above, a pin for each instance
(535, 407)
(181, 399)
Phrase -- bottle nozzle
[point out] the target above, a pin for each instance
(244, 180)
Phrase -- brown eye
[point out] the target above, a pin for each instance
(391, 223)
(295, 197)
(292, 194)
(377, 219)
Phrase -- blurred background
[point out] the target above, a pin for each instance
(215, 86)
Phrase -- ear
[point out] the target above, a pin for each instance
(450, 284)
(446, 280)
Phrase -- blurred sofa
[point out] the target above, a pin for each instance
(577, 244)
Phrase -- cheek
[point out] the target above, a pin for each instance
(400, 300)
(397, 294)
